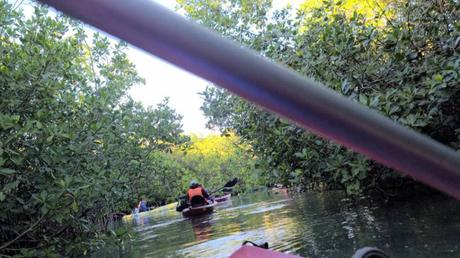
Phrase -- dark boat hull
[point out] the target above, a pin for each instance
(199, 210)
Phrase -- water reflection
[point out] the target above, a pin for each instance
(202, 227)
(138, 220)
(311, 225)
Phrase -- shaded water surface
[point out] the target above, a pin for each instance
(310, 225)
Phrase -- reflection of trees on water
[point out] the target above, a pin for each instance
(312, 225)
(280, 231)
(202, 228)
(333, 226)
(328, 226)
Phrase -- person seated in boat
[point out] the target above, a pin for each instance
(197, 194)
(142, 205)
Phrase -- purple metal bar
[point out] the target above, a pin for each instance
(243, 72)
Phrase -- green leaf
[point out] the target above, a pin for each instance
(17, 161)
(43, 195)
(59, 218)
(74, 206)
(363, 99)
(375, 101)
(438, 78)
(121, 231)
(355, 172)
(7, 171)
(2, 197)
(410, 119)
(44, 209)
(10, 186)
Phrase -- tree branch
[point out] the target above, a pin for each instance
(23, 233)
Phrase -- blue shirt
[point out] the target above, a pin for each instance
(143, 206)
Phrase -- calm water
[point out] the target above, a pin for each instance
(310, 225)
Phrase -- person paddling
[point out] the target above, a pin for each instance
(142, 205)
(197, 194)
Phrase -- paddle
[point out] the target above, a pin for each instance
(181, 204)
(229, 184)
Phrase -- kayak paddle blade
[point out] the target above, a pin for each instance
(231, 183)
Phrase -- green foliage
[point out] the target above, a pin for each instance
(215, 159)
(404, 63)
(74, 148)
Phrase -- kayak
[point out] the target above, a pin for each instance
(199, 210)
(223, 198)
(129, 217)
(150, 213)
(248, 251)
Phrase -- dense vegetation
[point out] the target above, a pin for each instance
(400, 58)
(217, 158)
(75, 149)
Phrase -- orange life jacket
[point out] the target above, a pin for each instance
(195, 192)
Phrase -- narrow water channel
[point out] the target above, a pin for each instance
(310, 225)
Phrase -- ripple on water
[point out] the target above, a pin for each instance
(223, 246)
(164, 224)
(265, 209)
(312, 225)
(148, 237)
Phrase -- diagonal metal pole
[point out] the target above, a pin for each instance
(278, 89)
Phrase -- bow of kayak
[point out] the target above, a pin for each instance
(248, 251)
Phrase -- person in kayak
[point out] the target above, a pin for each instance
(197, 194)
(142, 205)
